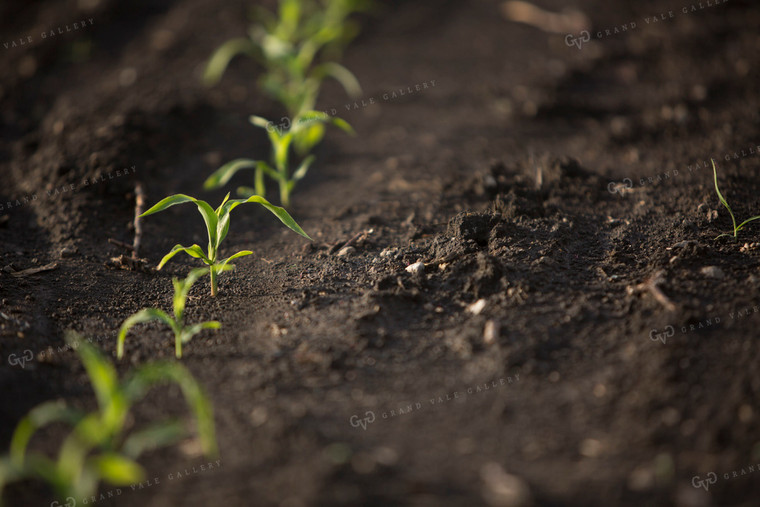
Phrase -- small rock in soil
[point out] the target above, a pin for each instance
(68, 251)
(491, 332)
(503, 489)
(713, 272)
(477, 307)
(346, 251)
(416, 268)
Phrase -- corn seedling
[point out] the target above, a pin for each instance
(722, 199)
(100, 447)
(217, 226)
(288, 45)
(182, 333)
(279, 167)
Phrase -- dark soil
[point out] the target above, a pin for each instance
(567, 188)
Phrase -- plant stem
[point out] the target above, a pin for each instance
(212, 274)
(259, 183)
(178, 345)
(284, 195)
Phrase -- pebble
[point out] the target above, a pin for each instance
(712, 272)
(477, 307)
(503, 489)
(346, 251)
(416, 268)
(68, 251)
(591, 448)
(491, 332)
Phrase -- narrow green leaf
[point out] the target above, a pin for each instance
(720, 196)
(168, 202)
(151, 374)
(103, 377)
(145, 315)
(222, 175)
(343, 125)
(242, 253)
(340, 74)
(193, 330)
(259, 122)
(156, 436)
(741, 226)
(303, 168)
(246, 192)
(221, 58)
(116, 469)
(203, 207)
(279, 212)
(42, 415)
(193, 251)
(182, 288)
(305, 140)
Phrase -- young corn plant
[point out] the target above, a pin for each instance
(182, 332)
(288, 45)
(279, 166)
(722, 199)
(101, 446)
(217, 226)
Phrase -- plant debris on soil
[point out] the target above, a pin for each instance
(513, 297)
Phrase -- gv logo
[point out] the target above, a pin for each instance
(70, 502)
(711, 479)
(614, 187)
(369, 418)
(663, 337)
(571, 40)
(13, 360)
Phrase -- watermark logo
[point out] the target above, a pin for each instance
(571, 40)
(14, 360)
(711, 479)
(654, 335)
(70, 502)
(620, 188)
(369, 418)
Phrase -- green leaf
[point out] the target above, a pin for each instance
(168, 202)
(203, 207)
(42, 415)
(116, 469)
(143, 316)
(340, 74)
(306, 140)
(193, 251)
(221, 58)
(303, 168)
(246, 191)
(156, 436)
(151, 374)
(720, 196)
(741, 226)
(242, 253)
(227, 171)
(103, 377)
(182, 288)
(279, 212)
(193, 330)
(259, 122)
(343, 125)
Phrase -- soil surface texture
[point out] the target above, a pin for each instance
(515, 295)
